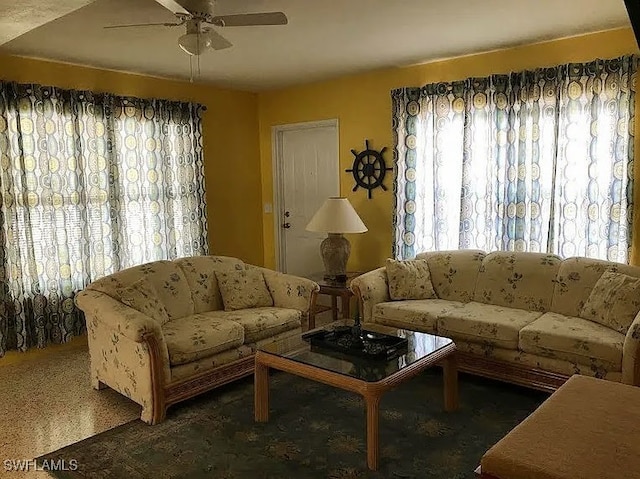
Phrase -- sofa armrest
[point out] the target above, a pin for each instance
(370, 289)
(289, 291)
(128, 352)
(631, 354)
(118, 316)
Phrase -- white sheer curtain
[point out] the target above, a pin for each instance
(90, 184)
(532, 161)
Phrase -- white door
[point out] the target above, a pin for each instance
(307, 173)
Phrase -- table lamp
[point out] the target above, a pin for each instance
(335, 217)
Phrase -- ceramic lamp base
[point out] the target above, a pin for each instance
(335, 250)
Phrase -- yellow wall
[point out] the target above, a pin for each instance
(237, 131)
(231, 154)
(363, 106)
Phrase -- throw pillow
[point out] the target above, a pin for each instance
(143, 297)
(243, 289)
(614, 301)
(409, 280)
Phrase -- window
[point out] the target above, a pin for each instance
(532, 161)
(90, 184)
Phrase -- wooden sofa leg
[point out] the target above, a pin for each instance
(155, 410)
(151, 416)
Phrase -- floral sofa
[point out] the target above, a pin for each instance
(180, 341)
(516, 316)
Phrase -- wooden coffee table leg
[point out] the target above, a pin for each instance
(373, 409)
(450, 373)
(261, 393)
(346, 305)
(334, 307)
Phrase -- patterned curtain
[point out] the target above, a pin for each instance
(532, 161)
(89, 184)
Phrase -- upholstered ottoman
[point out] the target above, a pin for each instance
(587, 429)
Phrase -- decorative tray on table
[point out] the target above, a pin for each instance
(359, 343)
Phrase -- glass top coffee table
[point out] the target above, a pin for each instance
(367, 377)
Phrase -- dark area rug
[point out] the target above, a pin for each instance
(314, 431)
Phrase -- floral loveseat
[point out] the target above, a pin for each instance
(517, 316)
(180, 341)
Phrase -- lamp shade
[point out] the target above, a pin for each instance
(336, 215)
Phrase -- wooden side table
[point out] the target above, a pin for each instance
(335, 289)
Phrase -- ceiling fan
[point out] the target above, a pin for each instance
(195, 15)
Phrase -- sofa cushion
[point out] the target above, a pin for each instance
(486, 323)
(200, 336)
(166, 277)
(418, 315)
(517, 280)
(200, 274)
(454, 273)
(576, 279)
(614, 301)
(143, 297)
(573, 339)
(260, 323)
(243, 289)
(409, 279)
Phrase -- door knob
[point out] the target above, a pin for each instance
(287, 214)
(286, 225)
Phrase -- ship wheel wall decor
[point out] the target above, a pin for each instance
(369, 168)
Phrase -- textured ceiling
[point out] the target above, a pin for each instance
(20, 17)
(324, 38)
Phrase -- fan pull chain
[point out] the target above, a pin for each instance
(198, 49)
(197, 54)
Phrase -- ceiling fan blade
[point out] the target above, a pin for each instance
(145, 25)
(218, 42)
(173, 6)
(250, 19)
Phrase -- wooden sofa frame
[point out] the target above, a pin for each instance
(521, 375)
(165, 395)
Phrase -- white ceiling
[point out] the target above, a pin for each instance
(324, 38)
(20, 17)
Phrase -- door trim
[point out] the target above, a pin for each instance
(278, 174)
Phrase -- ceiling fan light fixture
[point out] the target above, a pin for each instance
(194, 43)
